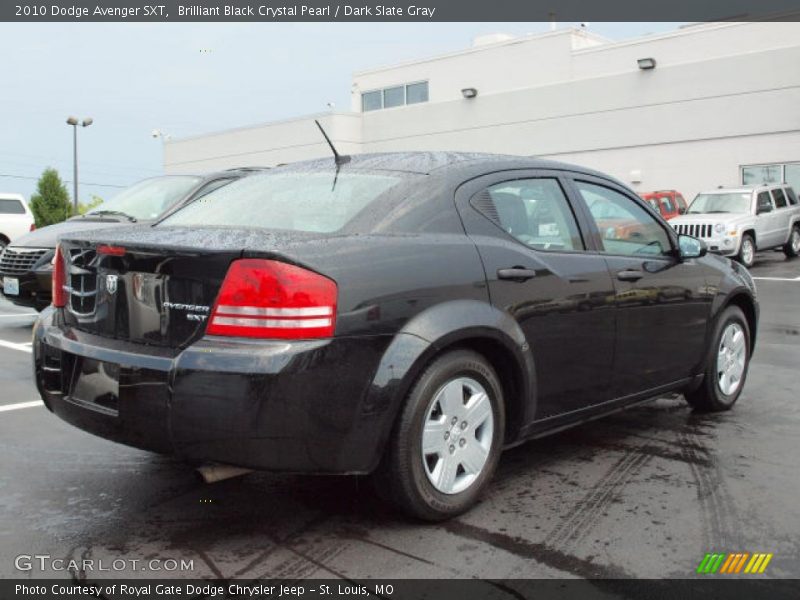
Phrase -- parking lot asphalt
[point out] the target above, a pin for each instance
(643, 493)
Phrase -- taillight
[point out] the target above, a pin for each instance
(33, 227)
(270, 299)
(59, 280)
(111, 250)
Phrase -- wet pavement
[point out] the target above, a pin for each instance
(644, 493)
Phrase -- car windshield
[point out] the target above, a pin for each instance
(294, 200)
(734, 202)
(148, 199)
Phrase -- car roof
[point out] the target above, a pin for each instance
(746, 189)
(427, 163)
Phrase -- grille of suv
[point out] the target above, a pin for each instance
(18, 260)
(698, 230)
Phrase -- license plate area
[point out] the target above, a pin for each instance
(11, 286)
(95, 385)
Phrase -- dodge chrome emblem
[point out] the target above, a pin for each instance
(111, 283)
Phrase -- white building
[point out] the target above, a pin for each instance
(721, 105)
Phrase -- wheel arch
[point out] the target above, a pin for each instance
(747, 305)
(470, 324)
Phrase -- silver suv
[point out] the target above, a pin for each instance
(739, 221)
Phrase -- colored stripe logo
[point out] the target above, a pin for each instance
(733, 563)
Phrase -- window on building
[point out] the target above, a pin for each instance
(392, 97)
(395, 96)
(372, 100)
(774, 173)
(417, 92)
(791, 175)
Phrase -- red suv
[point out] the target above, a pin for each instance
(667, 202)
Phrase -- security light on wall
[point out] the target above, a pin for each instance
(645, 64)
(469, 93)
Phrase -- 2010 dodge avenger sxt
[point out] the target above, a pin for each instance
(403, 314)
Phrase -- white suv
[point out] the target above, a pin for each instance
(738, 221)
(15, 218)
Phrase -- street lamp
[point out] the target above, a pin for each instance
(74, 122)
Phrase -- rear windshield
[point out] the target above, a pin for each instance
(11, 207)
(735, 202)
(295, 201)
(150, 198)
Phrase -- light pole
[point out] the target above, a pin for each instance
(74, 122)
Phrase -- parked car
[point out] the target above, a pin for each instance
(738, 222)
(668, 203)
(16, 218)
(26, 266)
(400, 314)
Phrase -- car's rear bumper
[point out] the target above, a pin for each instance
(35, 288)
(305, 406)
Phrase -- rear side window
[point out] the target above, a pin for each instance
(11, 207)
(780, 198)
(534, 211)
(791, 196)
(315, 201)
(667, 202)
(681, 202)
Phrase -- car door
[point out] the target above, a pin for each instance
(540, 272)
(763, 226)
(779, 218)
(662, 302)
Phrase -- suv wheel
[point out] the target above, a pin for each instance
(792, 247)
(747, 251)
(726, 365)
(447, 440)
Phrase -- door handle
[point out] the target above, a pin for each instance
(630, 275)
(516, 274)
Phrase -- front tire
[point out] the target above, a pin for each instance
(726, 365)
(792, 247)
(447, 440)
(747, 251)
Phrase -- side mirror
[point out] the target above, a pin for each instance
(690, 247)
(681, 211)
(764, 208)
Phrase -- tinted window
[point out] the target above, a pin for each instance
(534, 211)
(395, 96)
(681, 201)
(764, 201)
(780, 198)
(295, 201)
(417, 92)
(11, 207)
(790, 194)
(372, 100)
(625, 227)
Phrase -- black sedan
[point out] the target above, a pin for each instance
(26, 266)
(407, 315)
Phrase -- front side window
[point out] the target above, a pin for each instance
(780, 198)
(625, 227)
(11, 207)
(534, 211)
(316, 201)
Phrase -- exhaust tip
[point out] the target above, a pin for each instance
(212, 473)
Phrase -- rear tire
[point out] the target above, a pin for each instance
(726, 365)
(455, 410)
(747, 251)
(792, 248)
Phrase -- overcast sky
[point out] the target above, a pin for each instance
(187, 79)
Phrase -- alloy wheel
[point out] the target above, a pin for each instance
(747, 252)
(796, 241)
(457, 435)
(731, 358)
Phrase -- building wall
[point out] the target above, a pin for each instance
(722, 95)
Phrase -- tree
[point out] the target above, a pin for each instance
(50, 204)
(94, 202)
